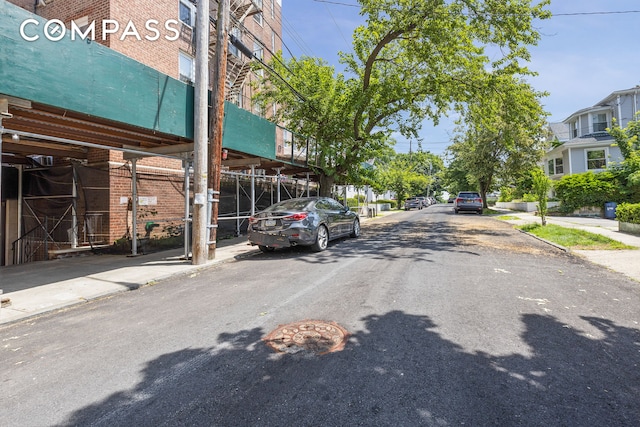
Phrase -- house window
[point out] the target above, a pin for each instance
(574, 129)
(559, 169)
(550, 167)
(596, 159)
(235, 31)
(258, 16)
(187, 67)
(258, 111)
(82, 23)
(556, 167)
(82, 29)
(599, 122)
(187, 13)
(237, 98)
(258, 50)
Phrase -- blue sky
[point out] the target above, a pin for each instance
(582, 57)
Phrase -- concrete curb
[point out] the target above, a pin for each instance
(545, 240)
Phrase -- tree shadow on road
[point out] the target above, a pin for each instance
(417, 240)
(398, 370)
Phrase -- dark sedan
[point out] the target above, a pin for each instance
(306, 221)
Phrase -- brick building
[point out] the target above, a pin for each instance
(159, 34)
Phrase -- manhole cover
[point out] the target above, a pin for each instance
(316, 336)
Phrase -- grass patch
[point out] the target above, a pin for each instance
(574, 238)
(508, 217)
(489, 211)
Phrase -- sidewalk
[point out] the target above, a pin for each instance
(51, 285)
(626, 262)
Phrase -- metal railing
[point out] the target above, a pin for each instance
(32, 246)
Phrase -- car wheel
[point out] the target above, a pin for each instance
(266, 249)
(355, 231)
(455, 211)
(322, 240)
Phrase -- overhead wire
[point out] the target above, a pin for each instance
(286, 26)
(337, 26)
(245, 30)
(338, 3)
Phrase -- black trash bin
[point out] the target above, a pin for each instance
(610, 210)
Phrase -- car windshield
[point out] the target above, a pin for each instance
(290, 205)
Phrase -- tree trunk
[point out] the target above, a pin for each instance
(326, 184)
(484, 189)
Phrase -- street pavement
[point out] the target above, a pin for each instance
(57, 284)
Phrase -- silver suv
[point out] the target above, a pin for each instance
(468, 201)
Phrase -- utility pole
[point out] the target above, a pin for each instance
(216, 117)
(200, 229)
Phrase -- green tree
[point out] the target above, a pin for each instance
(627, 140)
(541, 186)
(500, 137)
(456, 178)
(404, 175)
(315, 101)
(413, 60)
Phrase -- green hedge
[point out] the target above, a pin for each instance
(628, 212)
(587, 189)
(353, 202)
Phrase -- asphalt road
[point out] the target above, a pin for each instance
(453, 320)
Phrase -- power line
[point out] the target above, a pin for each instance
(286, 26)
(337, 26)
(615, 12)
(338, 3)
(620, 12)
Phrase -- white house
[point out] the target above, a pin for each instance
(584, 144)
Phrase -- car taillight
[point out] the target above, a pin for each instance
(296, 216)
(458, 200)
(479, 200)
(253, 220)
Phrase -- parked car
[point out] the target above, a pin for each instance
(305, 221)
(425, 201)
(468, 201)
(412, 202)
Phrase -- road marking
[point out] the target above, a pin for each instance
(539, 301)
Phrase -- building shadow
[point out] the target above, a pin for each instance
(396, 371)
